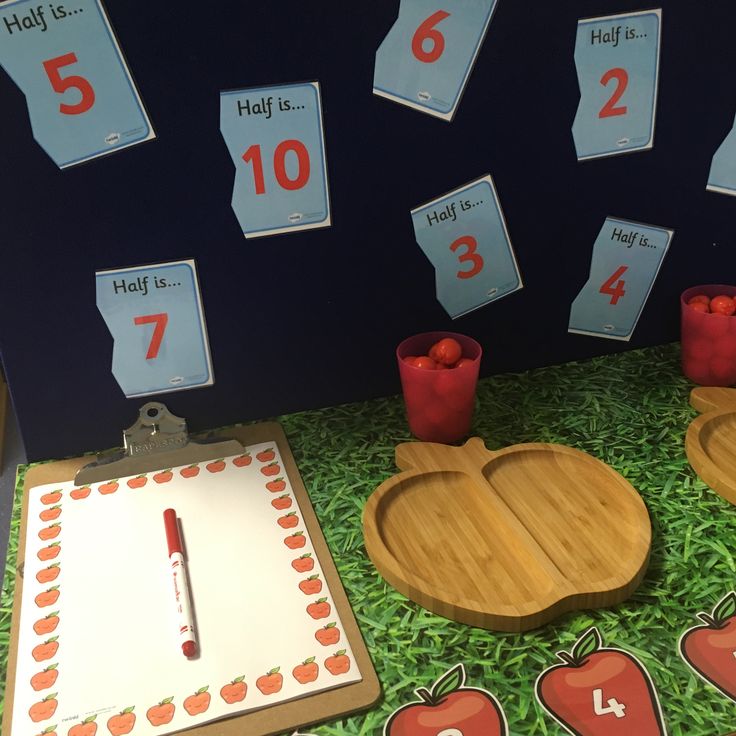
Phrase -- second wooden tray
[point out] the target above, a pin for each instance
(507, 540)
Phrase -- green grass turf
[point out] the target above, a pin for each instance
(631, 411)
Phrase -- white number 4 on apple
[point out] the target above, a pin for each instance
(613, 706)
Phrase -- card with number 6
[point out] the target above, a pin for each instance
(276, 140)
(626, 260)
(81, 98)
(617, 60)
(427, 56)
(464, 235)
(155, 316)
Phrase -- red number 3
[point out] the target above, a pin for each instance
(425, 31)
(61, 84)
(469, 256)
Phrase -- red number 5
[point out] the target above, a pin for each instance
(160, 320)
(425, 31)
(470, 255)
(61, 84)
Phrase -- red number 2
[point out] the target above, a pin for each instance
(425, 31)
(160, 321)
(470, 244)
(622, 77)
(253, 155)
(61, 84)
(615, 292)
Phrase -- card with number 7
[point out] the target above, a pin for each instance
(426, 58)
(464, 235)
(82, 101)
(617, 60)
(626, 260)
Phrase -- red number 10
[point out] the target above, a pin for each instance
(253, 155)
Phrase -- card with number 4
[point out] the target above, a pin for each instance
(155, 316)
(464, 235)
(617, 60)
(276, 140)
(426, 58)
(81, 98)
(626, 260)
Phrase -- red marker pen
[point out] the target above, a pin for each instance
(181, 587)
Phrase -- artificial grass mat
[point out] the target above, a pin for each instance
(631, 411)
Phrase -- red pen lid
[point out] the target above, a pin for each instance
(172, 531)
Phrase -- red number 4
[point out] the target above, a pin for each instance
(615, 292)
(160, 321)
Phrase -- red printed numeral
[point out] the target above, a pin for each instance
(426, 31)
(469, 256)
(622, 78)
(253, 155)
(73, 81)
(615, 292)
(160, 321)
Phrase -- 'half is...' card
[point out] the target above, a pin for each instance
(426, 58)
(155, 316)
(81, 98)
(275, 137)
(617, 60)
(464, 235)
(626, 260)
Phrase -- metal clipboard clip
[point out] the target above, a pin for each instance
(158, 439)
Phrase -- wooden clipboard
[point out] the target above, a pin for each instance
(309, 710)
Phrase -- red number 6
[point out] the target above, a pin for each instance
(425, 31)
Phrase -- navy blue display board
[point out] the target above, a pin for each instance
(312, 319)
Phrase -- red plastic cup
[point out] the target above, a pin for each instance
(708, 340)
(439, 403)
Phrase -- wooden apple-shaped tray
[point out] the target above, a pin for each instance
(710, 442)
(507, 540)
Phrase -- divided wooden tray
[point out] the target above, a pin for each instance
(710, 442)
(507, 540)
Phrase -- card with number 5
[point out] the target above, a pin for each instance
(155, 316)
(464, 235)
(617, 60)
(626, 260)
(427, 56)
(81, 98)
(276, 140)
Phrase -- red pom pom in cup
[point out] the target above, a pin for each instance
(708, 339)
(439, 403)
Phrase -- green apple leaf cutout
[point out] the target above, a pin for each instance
(586, 645)
(724, 609)
(452, 680)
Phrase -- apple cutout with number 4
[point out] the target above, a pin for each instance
(600, 692)
(711, 649)
(449, 709)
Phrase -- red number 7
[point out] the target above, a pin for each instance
(160, 320)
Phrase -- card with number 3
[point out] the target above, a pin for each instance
(626, 260)
(464, 235)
